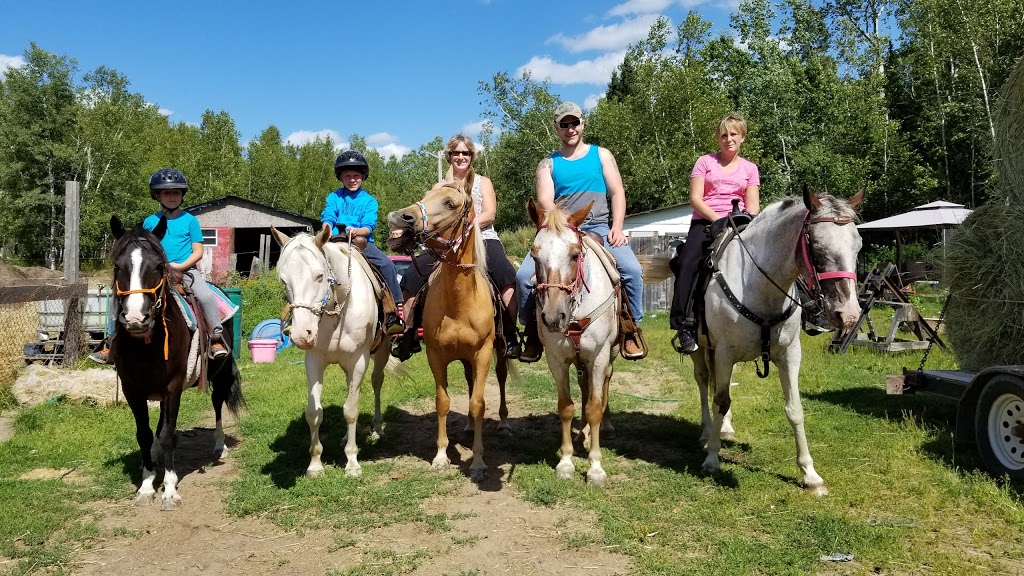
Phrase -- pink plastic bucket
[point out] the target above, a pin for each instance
(263, 350)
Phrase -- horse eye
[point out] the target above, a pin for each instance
(449, 204)
(575, 256)
(319, 277)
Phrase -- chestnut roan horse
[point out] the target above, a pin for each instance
(150, 350)
(458, 313)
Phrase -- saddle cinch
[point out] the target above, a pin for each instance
(199, 347)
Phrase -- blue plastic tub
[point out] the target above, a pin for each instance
(270, 329)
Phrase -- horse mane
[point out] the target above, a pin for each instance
(830, 207)
(557, 220)
(142, 238)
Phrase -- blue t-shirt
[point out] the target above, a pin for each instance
(579, 182)
(353, 209)
(182, 231)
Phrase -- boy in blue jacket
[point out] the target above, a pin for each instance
(352, 210)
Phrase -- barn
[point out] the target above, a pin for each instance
(656, 231)
(236, 232)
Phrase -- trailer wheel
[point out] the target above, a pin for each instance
(999, 426)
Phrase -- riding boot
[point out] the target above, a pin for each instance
(406, 345)
(533, 348)
(632, 342)
(512, 350)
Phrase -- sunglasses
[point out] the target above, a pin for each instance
(461, 153)
(569, 124)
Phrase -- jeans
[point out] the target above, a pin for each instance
(387, 268)
(628, 266)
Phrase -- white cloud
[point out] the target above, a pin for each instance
(473, 129)
(639, 7)
(590, 102)
(393, 149)
(610, 37)
(165, 111)
(596, 71)
(380, 139)
(7, 62)
(300, 137)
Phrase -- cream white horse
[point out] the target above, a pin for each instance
(751, 307)
(334, 319)
(577, 305)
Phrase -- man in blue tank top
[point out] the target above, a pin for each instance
(571, 178)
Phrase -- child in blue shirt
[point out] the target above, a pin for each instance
(183, 244)
(352, 210)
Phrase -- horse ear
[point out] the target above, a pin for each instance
(857, 199)
(161, 228)
(811, 200)
(323, 236)
(535, 215)
(116, 227)
(281, 237)
(580, 215)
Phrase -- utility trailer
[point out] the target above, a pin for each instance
(990, 410)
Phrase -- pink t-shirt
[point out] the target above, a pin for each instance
(720, 188)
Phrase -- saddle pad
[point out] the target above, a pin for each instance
(605, 257)
(225, 307)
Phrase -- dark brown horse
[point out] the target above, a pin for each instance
(150, 350)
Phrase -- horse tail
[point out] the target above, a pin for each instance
(235, 401)
(655, 266)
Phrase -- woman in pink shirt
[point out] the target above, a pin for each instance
(715, 181)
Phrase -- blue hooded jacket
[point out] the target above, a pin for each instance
(353, 209)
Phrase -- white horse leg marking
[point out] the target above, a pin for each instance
(133, 311)
(442, 403)
(171, 499)
(560, 371)
(351, 410)
(219, 448)
(728, 433)
(702, 375)
(314, 412)
(481, 363)
(595, 412)
(144, 496)
(789, 373)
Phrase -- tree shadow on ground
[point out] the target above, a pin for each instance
(194, 453)
(658, 439)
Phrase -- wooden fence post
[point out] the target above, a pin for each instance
(72, 306)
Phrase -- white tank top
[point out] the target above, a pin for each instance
(487, 233)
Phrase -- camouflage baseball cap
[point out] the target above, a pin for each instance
(567, 109)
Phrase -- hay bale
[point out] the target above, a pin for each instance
(1009, 119)
(984, 270)
(39, 383)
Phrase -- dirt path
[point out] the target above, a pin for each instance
(493, 532)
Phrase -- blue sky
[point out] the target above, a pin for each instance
(396, 73)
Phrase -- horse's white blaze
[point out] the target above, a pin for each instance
(133, 310)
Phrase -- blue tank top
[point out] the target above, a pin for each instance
(579, 181)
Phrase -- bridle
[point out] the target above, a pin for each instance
(319, 308)
(158, 305)
(576, 326)
(462, 225)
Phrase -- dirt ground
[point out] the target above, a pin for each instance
(493, 532)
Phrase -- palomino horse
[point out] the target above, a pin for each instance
(750, 304)
(150, 350)
(577, 304)
(334, 319)
(458, 314)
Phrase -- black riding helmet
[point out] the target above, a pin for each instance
(351, 160)
(167, 179)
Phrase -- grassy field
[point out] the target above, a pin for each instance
(905, 499)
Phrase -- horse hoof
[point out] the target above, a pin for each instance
(374, 437)
(314, 472)
(169, 504)
(219, 453)
(353, 470)
(710, 465)
(728, 436)
(597, 478)
(478, 474)
(817, 489)
(144, 499)
(565, 470)
(440, 464)
(504, 429)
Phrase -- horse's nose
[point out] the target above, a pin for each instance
(407, 218)
(843, 319)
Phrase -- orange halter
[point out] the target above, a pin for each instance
(159, 303)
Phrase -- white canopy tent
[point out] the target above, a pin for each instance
(939, 215)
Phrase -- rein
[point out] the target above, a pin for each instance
(805, 253)
(157, 305)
